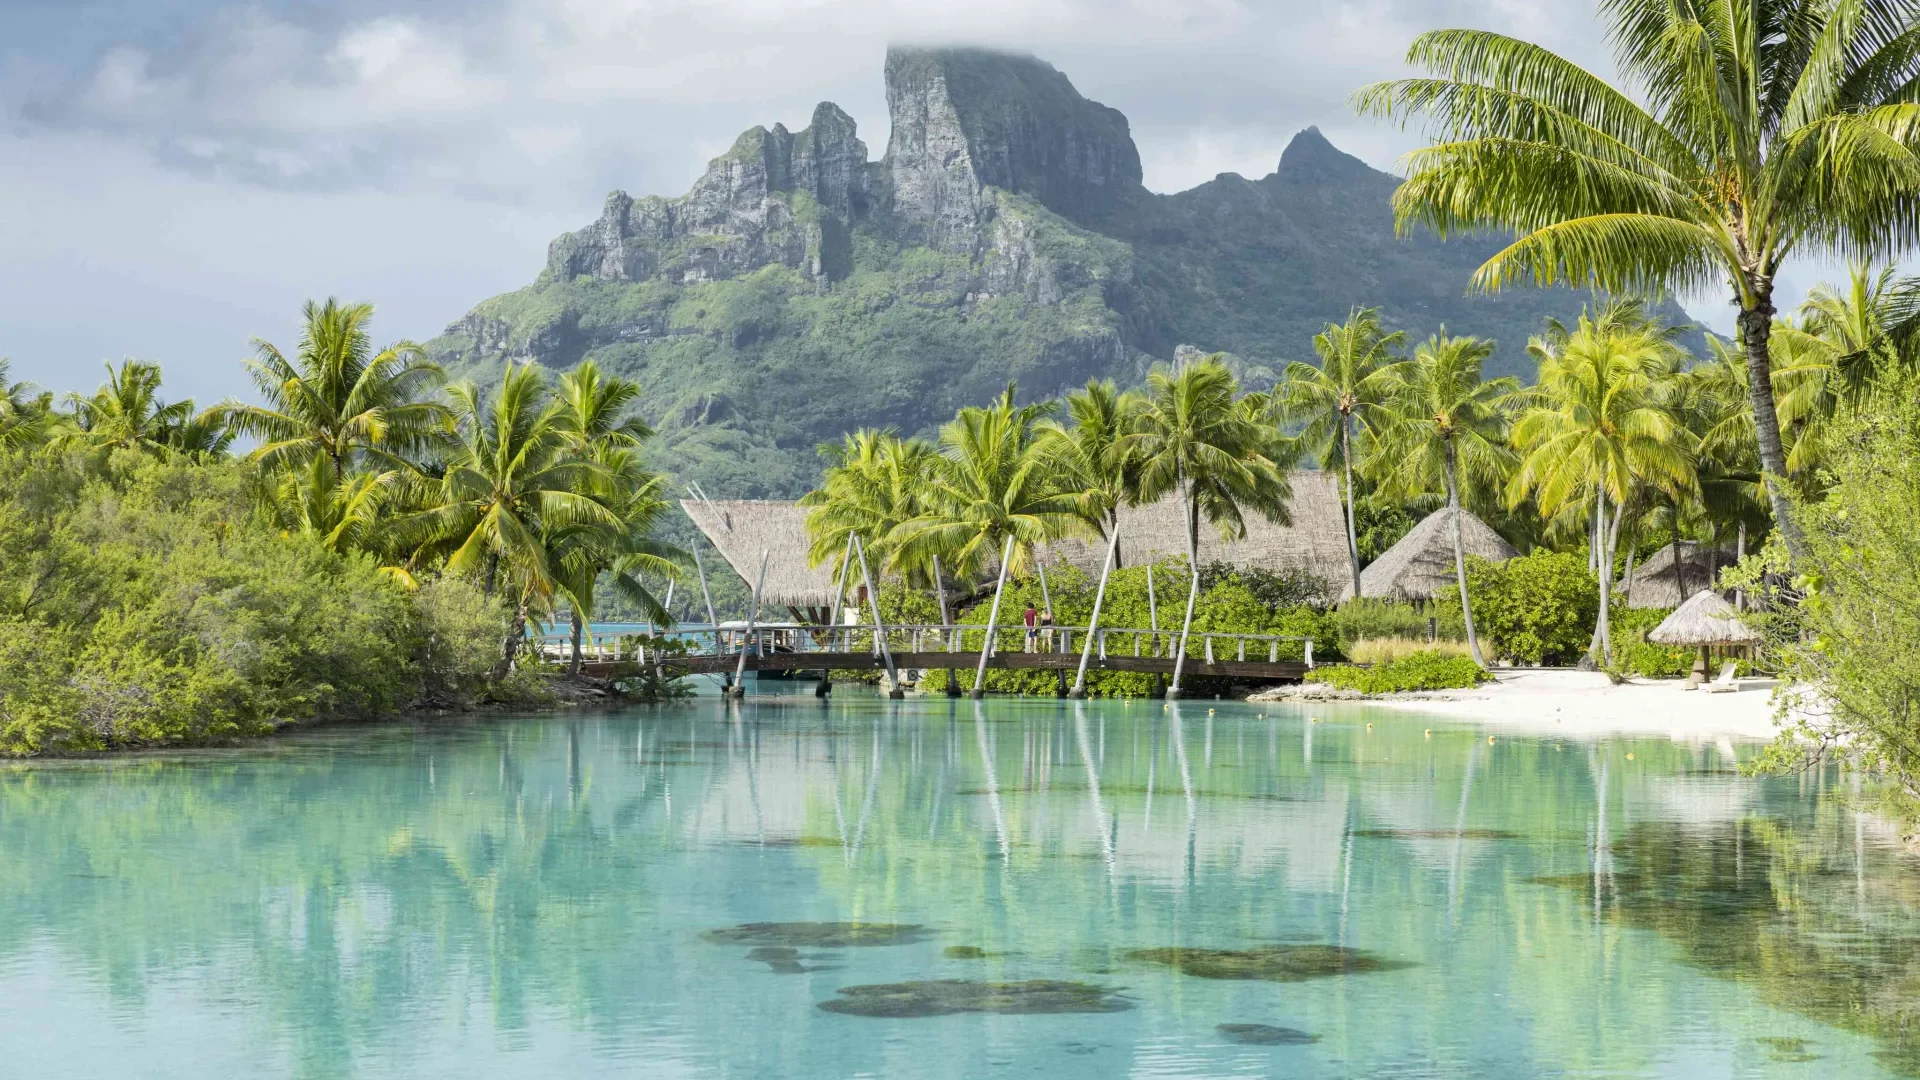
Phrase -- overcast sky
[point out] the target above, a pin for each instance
(176, 176)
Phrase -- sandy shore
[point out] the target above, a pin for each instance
(1587, 703)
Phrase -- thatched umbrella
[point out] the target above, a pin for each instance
(1705, 620)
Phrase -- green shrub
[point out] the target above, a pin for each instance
(1429, 670)
(145, 603)
(1635, 655)
(1534, 609)
(1367, 618)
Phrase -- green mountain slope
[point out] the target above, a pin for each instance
(801, 289)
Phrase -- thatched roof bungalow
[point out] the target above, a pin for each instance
(1706, 620)
(1315, 542)
(741, 529)
(1420, 566)
(1676, 572)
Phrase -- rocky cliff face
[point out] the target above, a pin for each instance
(775, 197)
(799, 289)
(965, 120)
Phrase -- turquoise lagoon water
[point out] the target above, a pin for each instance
(559, 897)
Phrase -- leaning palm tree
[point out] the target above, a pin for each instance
(1089, 454)
(875, 481)
(1337, 397)
(1193, 438)
(339, 397)
(1602, 419)
(513, 478)
(991, 481)
(1446, 430)
(127, 413)
(1753, 130)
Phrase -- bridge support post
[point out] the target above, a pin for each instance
(952, 631)
(993, 621)
(1093, 624)
(739, 687)
(879, 628)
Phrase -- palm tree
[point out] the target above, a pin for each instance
(1190, 435)
(339, 397)
(127, 413)
(25, 415)
(1088, 452)
(1446, 429)
(1345, 390)
(593, 415)
(1768, 126)
(343, 512)
(991, 480)
(875, 481)
(514, 476)
(1602, 420)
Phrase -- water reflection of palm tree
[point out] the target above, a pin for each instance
(1454, 874)
(1093, 785)
(1186, 785)
(993, 782)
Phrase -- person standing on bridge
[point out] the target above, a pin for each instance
(1033, 619)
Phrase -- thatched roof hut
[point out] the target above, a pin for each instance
(1420, 565)
(1706, 619)
(1316, 541)
(740, 529)
(1674, 572)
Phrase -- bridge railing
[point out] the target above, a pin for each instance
(1202, 646)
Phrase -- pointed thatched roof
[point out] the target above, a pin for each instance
(1674, 572)
(1420, 565)
(1316, 541)
(1705, 619)
(740, 529)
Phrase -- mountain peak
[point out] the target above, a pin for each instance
(1310, 158)
(966, 118)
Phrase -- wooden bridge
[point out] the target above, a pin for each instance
(906, 651)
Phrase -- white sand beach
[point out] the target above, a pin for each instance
(1587, 703)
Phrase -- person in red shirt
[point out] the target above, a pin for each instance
(1032, 617)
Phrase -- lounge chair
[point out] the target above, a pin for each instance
(1725, 684)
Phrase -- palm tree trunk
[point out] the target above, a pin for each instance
(1596, 539)
(1193, 587)
(1740, 555)
(1755, 325)
(510, 645)
(493, 573)
(1603, 624)
(579, 629)
(1460, 556)
(1353, 540)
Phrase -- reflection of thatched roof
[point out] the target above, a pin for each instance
(1657, 582)
(1705, 619)
(740, 529)
(1420, 565)
(1316, 541)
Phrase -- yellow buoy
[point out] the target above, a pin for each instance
(1489, 738)
(1429, 733)
(1369, 727)
(1629, 757)
(1209, 712)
